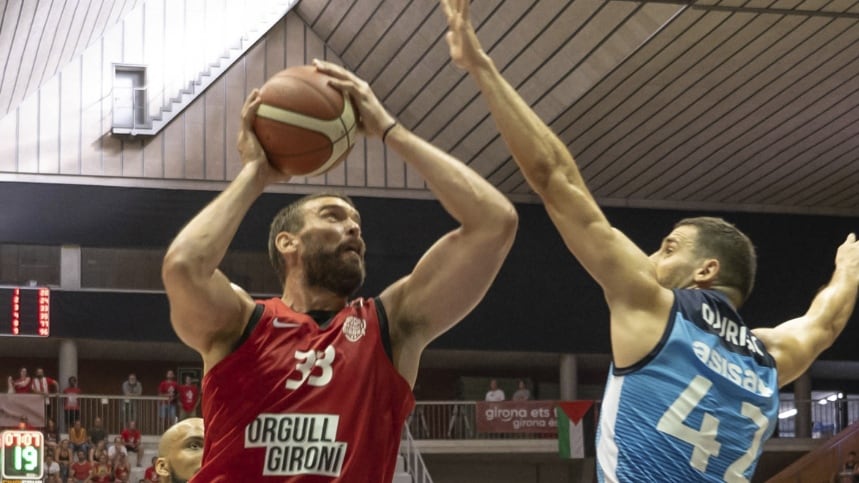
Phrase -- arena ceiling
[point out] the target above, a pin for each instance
(748, 105)
(729, 105)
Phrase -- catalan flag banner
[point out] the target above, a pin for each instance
(576, 425)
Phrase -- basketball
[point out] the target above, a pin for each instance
(305, 126)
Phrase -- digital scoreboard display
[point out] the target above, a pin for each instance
(23, 452)
(25, 311)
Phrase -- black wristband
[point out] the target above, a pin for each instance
(387, 130)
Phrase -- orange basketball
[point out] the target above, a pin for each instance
(305, 126)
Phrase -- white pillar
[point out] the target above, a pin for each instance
(569, 377)
(70, 268)
(68, 366)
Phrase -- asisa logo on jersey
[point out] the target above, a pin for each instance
(354, 328)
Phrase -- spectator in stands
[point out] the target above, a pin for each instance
(151, 475)
(96, 451)
(79, 438)
(180, 451)
(42, 384)
(81, 469)
(64, 459)
(168, 388)
(21, 385)
(52, 435)
(52, 469)
(131, 388)
(121, 469)
(116, 449)
(494, 393)
(97, 433)
(24, 423)
(131, 439)
(522, 392)
(71, 404)
(101, 471)
(189, 397)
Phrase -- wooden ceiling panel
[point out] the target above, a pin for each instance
(727, 105)
(814, 124)
(633, 119)
(683, 116)
(17, 20)
(723, 104)
(775, 101)
(39, 37)
(750, 104)
(819, 161)
(379, 19)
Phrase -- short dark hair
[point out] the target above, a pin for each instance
(725, 242)
(291, 219)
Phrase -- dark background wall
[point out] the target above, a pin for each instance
(541, 301)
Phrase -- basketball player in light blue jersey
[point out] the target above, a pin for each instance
(692, 392)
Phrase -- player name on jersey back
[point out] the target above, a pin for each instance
(735, 334)
(297, 444)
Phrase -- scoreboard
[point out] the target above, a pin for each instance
(25, 311)
(23, 454)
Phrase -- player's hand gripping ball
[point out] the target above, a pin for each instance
(305, 126)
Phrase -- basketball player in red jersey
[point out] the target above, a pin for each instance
(313, 386)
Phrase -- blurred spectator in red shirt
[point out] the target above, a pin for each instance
(71, 404)
(131, 439)
(22, 384)
(189, 397)
(169, 388)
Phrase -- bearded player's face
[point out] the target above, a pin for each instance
(332, 247)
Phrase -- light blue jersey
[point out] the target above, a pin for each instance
(697, 408)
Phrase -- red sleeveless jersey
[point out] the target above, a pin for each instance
(296, 402)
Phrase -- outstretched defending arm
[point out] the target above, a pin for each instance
(454, 275)
(638, 304)
(795, 344)
(547, 165)
(207, 312)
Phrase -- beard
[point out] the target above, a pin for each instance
(333, 270)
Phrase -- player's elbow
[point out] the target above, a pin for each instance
(507, 221)
(176, 268)
(502, 225)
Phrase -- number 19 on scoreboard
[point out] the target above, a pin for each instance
(22, 454)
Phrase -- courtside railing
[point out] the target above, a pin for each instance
(829, 415)
(456, 420)
(430, 420)
(151, 414)
(414, 462)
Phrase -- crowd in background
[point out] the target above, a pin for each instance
(90, 453)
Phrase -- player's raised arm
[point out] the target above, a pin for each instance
(617, 264)
(795, 344)
(454, 275)
(207, 313)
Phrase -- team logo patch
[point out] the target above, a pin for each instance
(354, 328)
